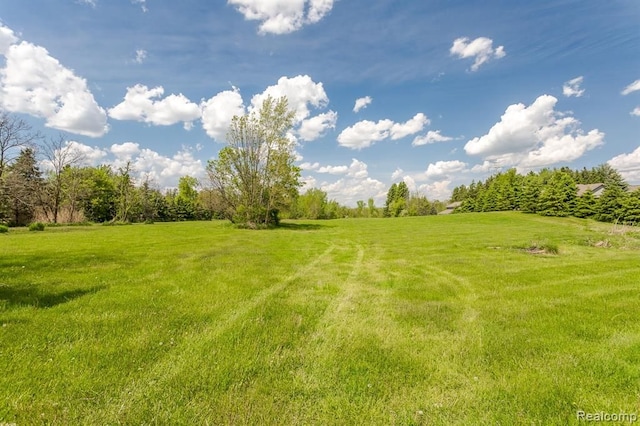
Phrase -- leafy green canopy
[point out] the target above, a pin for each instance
(254, 174)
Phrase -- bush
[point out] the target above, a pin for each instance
(36, 226)
(4, 229)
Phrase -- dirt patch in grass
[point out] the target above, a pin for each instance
(538, 248)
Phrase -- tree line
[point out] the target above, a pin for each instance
(103, 194)
(554, 192)
(253, 181)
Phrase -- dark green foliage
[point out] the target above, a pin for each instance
(397, 200)
(4, 229)
(531, 188)
(420, 206)
(22, 184)
(36, 226)
(400, 202)
(551, 193)
(610, 206)
(585, 205)
(558, 196)
(631, 208)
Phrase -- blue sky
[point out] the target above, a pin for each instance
(447, 91)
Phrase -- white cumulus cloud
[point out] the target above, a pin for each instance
(7, 38)
(443, 169)
(33, 82)
(357, 169)
(310, 166)
(397, 174)
(164, 170)
(534, 136)
(146, 105)
(410, 127)
(301, 92)
(481, 49)
(283, 16)
(125, 151)
(333, 170)
(350, 190)
(572, 87)
(218, 111)
(365, 133)
(362, 103)
(636, 111)
(437, 190)
(315, 127)
(628, 165)
(91, 155)
(432, 136)
(631, 87)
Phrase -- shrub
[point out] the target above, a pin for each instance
(36, 226)
(4, 229)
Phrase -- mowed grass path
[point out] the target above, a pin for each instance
(433, 320)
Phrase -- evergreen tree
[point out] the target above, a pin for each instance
(391, 196)
(610, 204)
(631, 208)
(531, 187)
(397, 200)
(22, 187)
(585, 205)
(558, 196)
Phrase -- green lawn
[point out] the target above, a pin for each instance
(433, 320)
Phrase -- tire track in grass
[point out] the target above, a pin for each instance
(176, 361)
(466, 292)
(358, 311)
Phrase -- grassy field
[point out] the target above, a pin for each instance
(460, 319)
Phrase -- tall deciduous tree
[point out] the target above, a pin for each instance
(255, 173)
(58, 154)
(125, 193)
(98, 199)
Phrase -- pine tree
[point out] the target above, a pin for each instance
(558, 196)
(610, 204)
(531, 187)
(631, 208)
(585, 205)
(22, 187)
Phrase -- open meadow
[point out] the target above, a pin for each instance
(458, 319)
